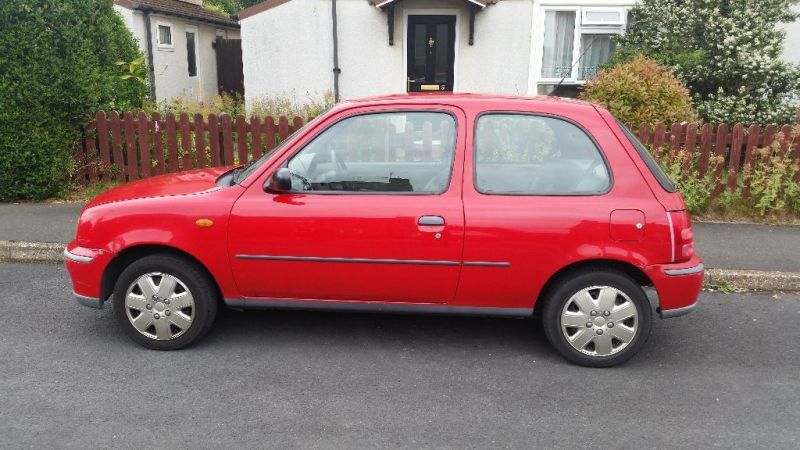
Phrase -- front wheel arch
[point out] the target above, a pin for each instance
(127, 256)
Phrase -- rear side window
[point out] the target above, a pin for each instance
(651, 163)
(525, 154)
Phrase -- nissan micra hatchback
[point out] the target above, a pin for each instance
(457, 204)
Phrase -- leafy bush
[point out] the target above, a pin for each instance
(769, 176)
(289, 106)
(641, 91)
(233, 105)
(765, 187)
(727, 52)
(696, 192)
(57, 66)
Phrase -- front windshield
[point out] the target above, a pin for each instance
(252, 165)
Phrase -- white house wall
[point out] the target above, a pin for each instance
(170, 65)
(286, 51)
(791, 46)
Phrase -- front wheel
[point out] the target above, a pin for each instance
(165, 302)
(597, 318)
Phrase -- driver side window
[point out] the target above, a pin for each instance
(526, 154)
(399, 152)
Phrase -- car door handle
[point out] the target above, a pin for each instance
(431, 221)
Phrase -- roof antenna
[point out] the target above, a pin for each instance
(561, 81)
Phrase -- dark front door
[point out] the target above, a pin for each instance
(431, 53)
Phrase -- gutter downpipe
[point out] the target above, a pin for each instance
(336, 69)
(148, 33)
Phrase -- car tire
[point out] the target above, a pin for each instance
(597, 318)
(176, 298)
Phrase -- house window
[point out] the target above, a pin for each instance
(559, 29)
(165, 35)
(191, 53)
(577, 40)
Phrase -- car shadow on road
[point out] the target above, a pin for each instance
(270, 327)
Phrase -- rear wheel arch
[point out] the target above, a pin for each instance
(627, 269)
(127, 256)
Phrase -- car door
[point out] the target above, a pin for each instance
(374, 213)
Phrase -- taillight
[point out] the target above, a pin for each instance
(682, 236)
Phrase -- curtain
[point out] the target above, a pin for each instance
(559, 30)
(596, 49)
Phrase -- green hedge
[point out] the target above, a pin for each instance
(57, 66)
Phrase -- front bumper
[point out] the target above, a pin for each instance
(678, 286)
(85, 267)
(90, 302)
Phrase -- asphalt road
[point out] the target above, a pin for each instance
(727, 375)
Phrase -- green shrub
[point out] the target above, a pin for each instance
(641, 91)
(58, 65)
(728, 53)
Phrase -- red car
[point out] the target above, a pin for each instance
(457, 204)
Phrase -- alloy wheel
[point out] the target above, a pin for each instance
(159, 306)
(599, 321)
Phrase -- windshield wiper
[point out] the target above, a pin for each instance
(237, 171)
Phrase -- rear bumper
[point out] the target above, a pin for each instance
(678, 286)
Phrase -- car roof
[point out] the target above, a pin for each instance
(485, 100)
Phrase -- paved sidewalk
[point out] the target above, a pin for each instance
(39, 222)
(721, 245)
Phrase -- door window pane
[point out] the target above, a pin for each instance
(410, 152)
(596, 49)
(535, 155)
(191, 54)
(559, 31)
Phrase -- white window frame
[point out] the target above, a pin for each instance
(619, 10)
(193, 29)
(160, 45)
(580, 30)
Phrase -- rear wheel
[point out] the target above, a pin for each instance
(597, 318)
(165, 302)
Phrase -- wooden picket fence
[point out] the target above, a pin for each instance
(131, 146)
(734, 146)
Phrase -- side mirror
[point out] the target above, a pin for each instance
(280, 181)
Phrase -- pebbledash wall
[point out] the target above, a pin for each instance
(287, 49)
(170, 63)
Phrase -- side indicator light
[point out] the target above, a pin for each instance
(204, 223)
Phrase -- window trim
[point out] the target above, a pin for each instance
(601, 9)
(285, 163)
(550, 194)
(159, 44)
(193, 29)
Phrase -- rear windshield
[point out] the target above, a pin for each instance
(651, 163)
